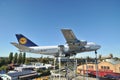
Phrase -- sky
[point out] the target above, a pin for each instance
(42, 20)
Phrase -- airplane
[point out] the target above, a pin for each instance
(72, 47)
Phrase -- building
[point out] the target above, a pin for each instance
(107, 66)
(21, 75)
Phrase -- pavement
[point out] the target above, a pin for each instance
(77, 78)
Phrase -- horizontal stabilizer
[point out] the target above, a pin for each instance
(21, 47)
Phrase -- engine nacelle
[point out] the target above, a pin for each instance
(83, 43)
(80, 43)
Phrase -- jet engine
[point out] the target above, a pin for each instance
(83, 43)
(80, 43)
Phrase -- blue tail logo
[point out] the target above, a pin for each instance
(24, 40)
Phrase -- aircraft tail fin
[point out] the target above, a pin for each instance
(24, 40)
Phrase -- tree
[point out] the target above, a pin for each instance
(41, 59)
(24, 57)
(45, 60)
(20, 58)
(3, 67)
(88, 58)
(27, 61)
(116, 58)
(111, 55)
(6, 61)
(15, 58)
(10, 57)
(100, 57)
(2, 61)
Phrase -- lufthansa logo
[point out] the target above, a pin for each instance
(23, 41)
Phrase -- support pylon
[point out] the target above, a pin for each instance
(61, 51)
(96, 62)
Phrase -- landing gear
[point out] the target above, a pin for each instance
(95, 52)
(67, 55)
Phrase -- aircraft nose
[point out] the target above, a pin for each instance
(98, 46)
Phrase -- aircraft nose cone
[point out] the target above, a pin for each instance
(98, 46)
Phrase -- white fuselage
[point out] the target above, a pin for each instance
(54, 50)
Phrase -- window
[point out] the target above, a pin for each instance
(108, 67)
(92, 67)
(105, 67)
(102, 67)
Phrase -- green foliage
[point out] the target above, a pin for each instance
(3, 61)
(111, 55)
(10, 57)
(4, 68)
(27, 61)
(116, 58)
(24, 57)
(100, 57)
(20, 58)
(15, 58)
(46, 73)
(43, 72)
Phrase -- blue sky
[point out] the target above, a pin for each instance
(41, 21)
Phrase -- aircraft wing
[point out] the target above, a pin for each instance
(21, 47)
(70, 38)
(69, 35)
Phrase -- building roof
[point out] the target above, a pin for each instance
(113, 61)
(16, 74)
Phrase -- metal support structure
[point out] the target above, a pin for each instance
(67, 75)
(82, 63)
(83, 72)
(61, 50)
(53, 77)
(75, 67)
(59, 67)
(71, 67)
(86, 69)
(54, 62)
(97, 77)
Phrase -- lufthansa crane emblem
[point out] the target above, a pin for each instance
(23, 40)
